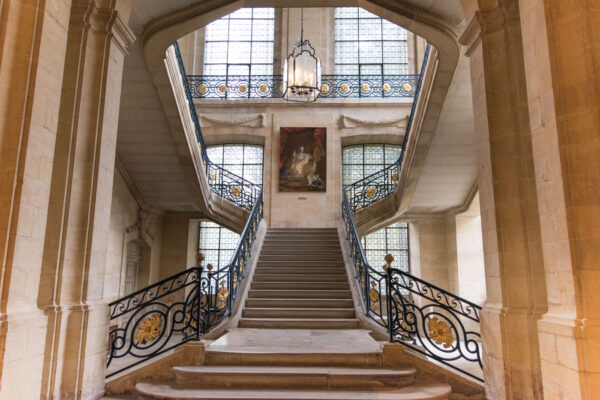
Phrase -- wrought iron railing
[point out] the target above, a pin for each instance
(417, 314)
(177, 309)
(224, 183)
(271, 86)
(382, 184)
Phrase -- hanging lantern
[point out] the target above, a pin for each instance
(302, 71)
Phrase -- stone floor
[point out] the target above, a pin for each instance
(250, 340)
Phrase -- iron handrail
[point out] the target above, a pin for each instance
(179, 308)
(415, 313)
(224, 183)
(382, 184)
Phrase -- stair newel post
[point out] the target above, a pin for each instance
(388, 289)
(199, 259)
(209, 295)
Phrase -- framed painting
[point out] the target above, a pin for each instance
(302, 159)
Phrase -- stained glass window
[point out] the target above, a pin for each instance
(216, 243)
(360, 161)
(366, 44)
(244, 160)
(390, 240)
(240, 43)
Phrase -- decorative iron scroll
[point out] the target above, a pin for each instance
(271, 86)
(178, 309)
(382, 184)
(224, 183)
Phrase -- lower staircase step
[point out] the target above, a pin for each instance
(313, 378)
(167, 391)
(300, 303)
(298, 323)
(300, 294)
(332, 313)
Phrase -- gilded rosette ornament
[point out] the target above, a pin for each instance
(149, 329)
(371, 191)
(440, 332)
(222, 296)
(235, 191)
(374, 297)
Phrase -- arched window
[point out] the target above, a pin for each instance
(240, 44)
(366, 44)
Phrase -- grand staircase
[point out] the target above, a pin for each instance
(298, 337)
(300, 282)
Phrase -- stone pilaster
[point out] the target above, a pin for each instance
(33, 41)
(81, 191)
(560, 41)
(516, 294)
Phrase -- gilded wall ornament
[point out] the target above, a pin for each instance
(149, 329)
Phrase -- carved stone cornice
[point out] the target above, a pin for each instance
(107, 21)
(242, 120)
(487, 21)
(349, 122)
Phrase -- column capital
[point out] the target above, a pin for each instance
(105, 19)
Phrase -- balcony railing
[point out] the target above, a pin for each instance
(230, 87)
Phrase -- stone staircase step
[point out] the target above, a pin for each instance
(168, 391)
(312, 313)
(261, 277)
(300, 264)
(278, 251)
(300, 285)
(300, 294)
(307, 378)
(298, 323)
(300, 303)
(301, 271)
(298, 257)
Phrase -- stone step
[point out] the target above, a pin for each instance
(168, 391)
(306, 378)
(299, 294)
(307, 236)
(300, 285)
(300, 252)
(306, 313)
(260, 277)
(298, 323)
(300, 264)
(301, 242)
(300, 303)
(339, 270)
(298, 257)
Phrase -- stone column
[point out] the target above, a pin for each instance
(516, 294)
(74, 258)
(33, 41)
(562, 59)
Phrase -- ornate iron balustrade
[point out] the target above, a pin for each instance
(177, 309)
(382, 183)
(224, 183)
(417, 314)
(332, 86)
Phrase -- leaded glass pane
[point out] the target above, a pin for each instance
(243, 160)
(268, 13)
(242, 37)
(390, 240)
(353, 155)
(363, 38)
(392, 153)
